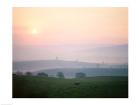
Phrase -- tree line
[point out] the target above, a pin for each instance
(58, 74)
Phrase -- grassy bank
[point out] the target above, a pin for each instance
(90, 87)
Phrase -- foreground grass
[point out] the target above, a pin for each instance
(47, 87)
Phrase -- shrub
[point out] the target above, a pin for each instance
(77, 83)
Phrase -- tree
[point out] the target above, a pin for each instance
(42, 74)
(80, 75)
(60, 75)
(18, 73)
(28, 73)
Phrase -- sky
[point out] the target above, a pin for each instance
(70, 33)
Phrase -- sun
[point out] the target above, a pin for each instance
(34, 31)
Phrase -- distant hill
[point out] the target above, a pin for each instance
(49, 64)
(57, 64)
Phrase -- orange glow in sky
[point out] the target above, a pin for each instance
(48, 26)
(90, 34)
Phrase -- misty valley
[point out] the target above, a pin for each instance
(70, 52)
(69, 79)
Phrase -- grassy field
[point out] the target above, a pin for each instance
(91, 87)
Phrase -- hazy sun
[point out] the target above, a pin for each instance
(34, 31)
